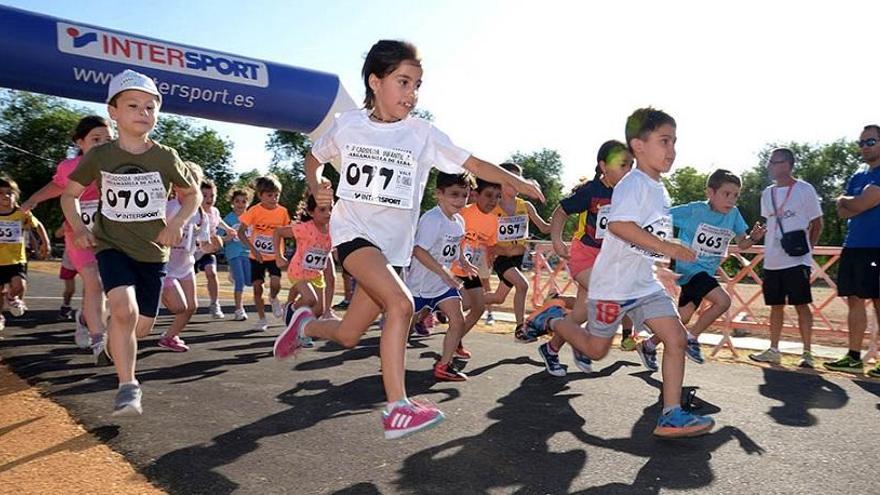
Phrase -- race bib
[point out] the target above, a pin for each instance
(662, 228)
(186, 240)
(602, 221)
(88, 211)
(376, 175)
(711, 241)
(10, 232)
(513, 228)
(451, 247)
(315, 259)
(264, 244)
(474, 254)
(133, 197)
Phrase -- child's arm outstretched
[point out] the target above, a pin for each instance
(493, 173)
(747, 241)
(44, 237)
(557, 224)
(536, 219)
(430, 263)
(278, 237)
(631, 232)
(47, 192)
(190, 199)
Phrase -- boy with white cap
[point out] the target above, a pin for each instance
(131, 236)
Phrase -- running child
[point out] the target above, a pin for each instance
(90, 131)
(513, 215)
(206, 261)
(14, 226)
(308, 267)
(67, 274)
(131, 234)
(261, 220)
(385, 160)
(592, 201)
(707, 227)
(438, 243)
(623, 280)
(235, 251)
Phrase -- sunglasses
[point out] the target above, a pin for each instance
(867, 143)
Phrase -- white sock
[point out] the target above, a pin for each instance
(774, 349)
(135, 383)
(391, 405)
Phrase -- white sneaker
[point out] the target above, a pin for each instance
(490, 319)
(216, 312)
(81, 334)
(768, 356)
(240, 315)
(262, 325)
(277, 310)
(16, 306)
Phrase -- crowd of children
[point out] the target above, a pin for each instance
(141, 222)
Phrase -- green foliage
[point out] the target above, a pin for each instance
(544, 166)
(685, 185)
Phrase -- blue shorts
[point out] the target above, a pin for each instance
(120, 270)
(432, 302)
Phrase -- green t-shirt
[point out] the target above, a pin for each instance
(133, 192)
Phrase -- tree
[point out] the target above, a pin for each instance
(685, 185)
(545, 167)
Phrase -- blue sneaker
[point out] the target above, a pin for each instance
(536, 323)
(692, 351)
(582, 362)
(551, 361)
(649, 357)
(680, 423)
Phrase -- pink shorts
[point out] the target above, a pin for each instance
(582, 257)
(78, 257)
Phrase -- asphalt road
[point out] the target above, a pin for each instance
(226, 417)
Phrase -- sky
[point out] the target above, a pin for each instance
(507, 76)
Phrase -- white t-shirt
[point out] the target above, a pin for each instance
(182, 259)
(623, 271)
(383, 171)
(441, 236)
(796, 214)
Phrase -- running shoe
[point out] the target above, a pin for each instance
(441, 317)
(768, 356)
(538, 323)
(262, 325)
(582, 362)
(100, 353)
(407, 418)
(551, 361)
(693, 352)
(292, 339)
(648, 357)
(276, 307)
(16, 306)
(65, 313)
(216, 312)
(175, 344)
(240, 315)
(445, 372)
(420, 329)
(875, 371)
(806, 360)
(680, 423)
(490, 318)
(128, 401)
(341, 305)
(627, 344)
(847, 364)
(521, 335)
(462, 353)
(81, 334)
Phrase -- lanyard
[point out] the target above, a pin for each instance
(787, 195)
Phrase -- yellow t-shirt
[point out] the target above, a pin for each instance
(12, 236)
(513, 230)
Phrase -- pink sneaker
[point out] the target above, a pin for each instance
(175, 344)
(292, 338)
(406, 419)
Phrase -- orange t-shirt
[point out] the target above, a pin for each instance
(263, 223)
(480, 232)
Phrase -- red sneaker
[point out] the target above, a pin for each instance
(444, 372)
(462, 353)
(292, 339)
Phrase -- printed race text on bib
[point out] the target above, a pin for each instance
(133, 197)
(88, 211)
(264, 244)
(602, 221)
(315, 259)
(186, 240)
(10, 232)
(377, 175)
(662, 228)
(450, 250)
(513, 228)
(473, 254)
(711, 241)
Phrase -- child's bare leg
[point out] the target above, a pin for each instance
(456, 330)
(671, 333)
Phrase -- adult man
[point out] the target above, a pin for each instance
(859, 273)
(789, 205)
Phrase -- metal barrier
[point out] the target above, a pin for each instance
(747, 309)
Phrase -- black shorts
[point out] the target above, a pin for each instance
(504, 263)
(118, 269)
(696, 289)
(346, 248)
(471, 282)
(258, 270)
(9, 271)
(791, 284)
(858, 273)
(205, 260)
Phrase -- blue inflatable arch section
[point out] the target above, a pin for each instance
(59, 57)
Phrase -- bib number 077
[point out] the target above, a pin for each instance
(354, 172)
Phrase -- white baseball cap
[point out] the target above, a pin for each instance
(129, 79)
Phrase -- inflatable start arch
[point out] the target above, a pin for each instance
(54, 56)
